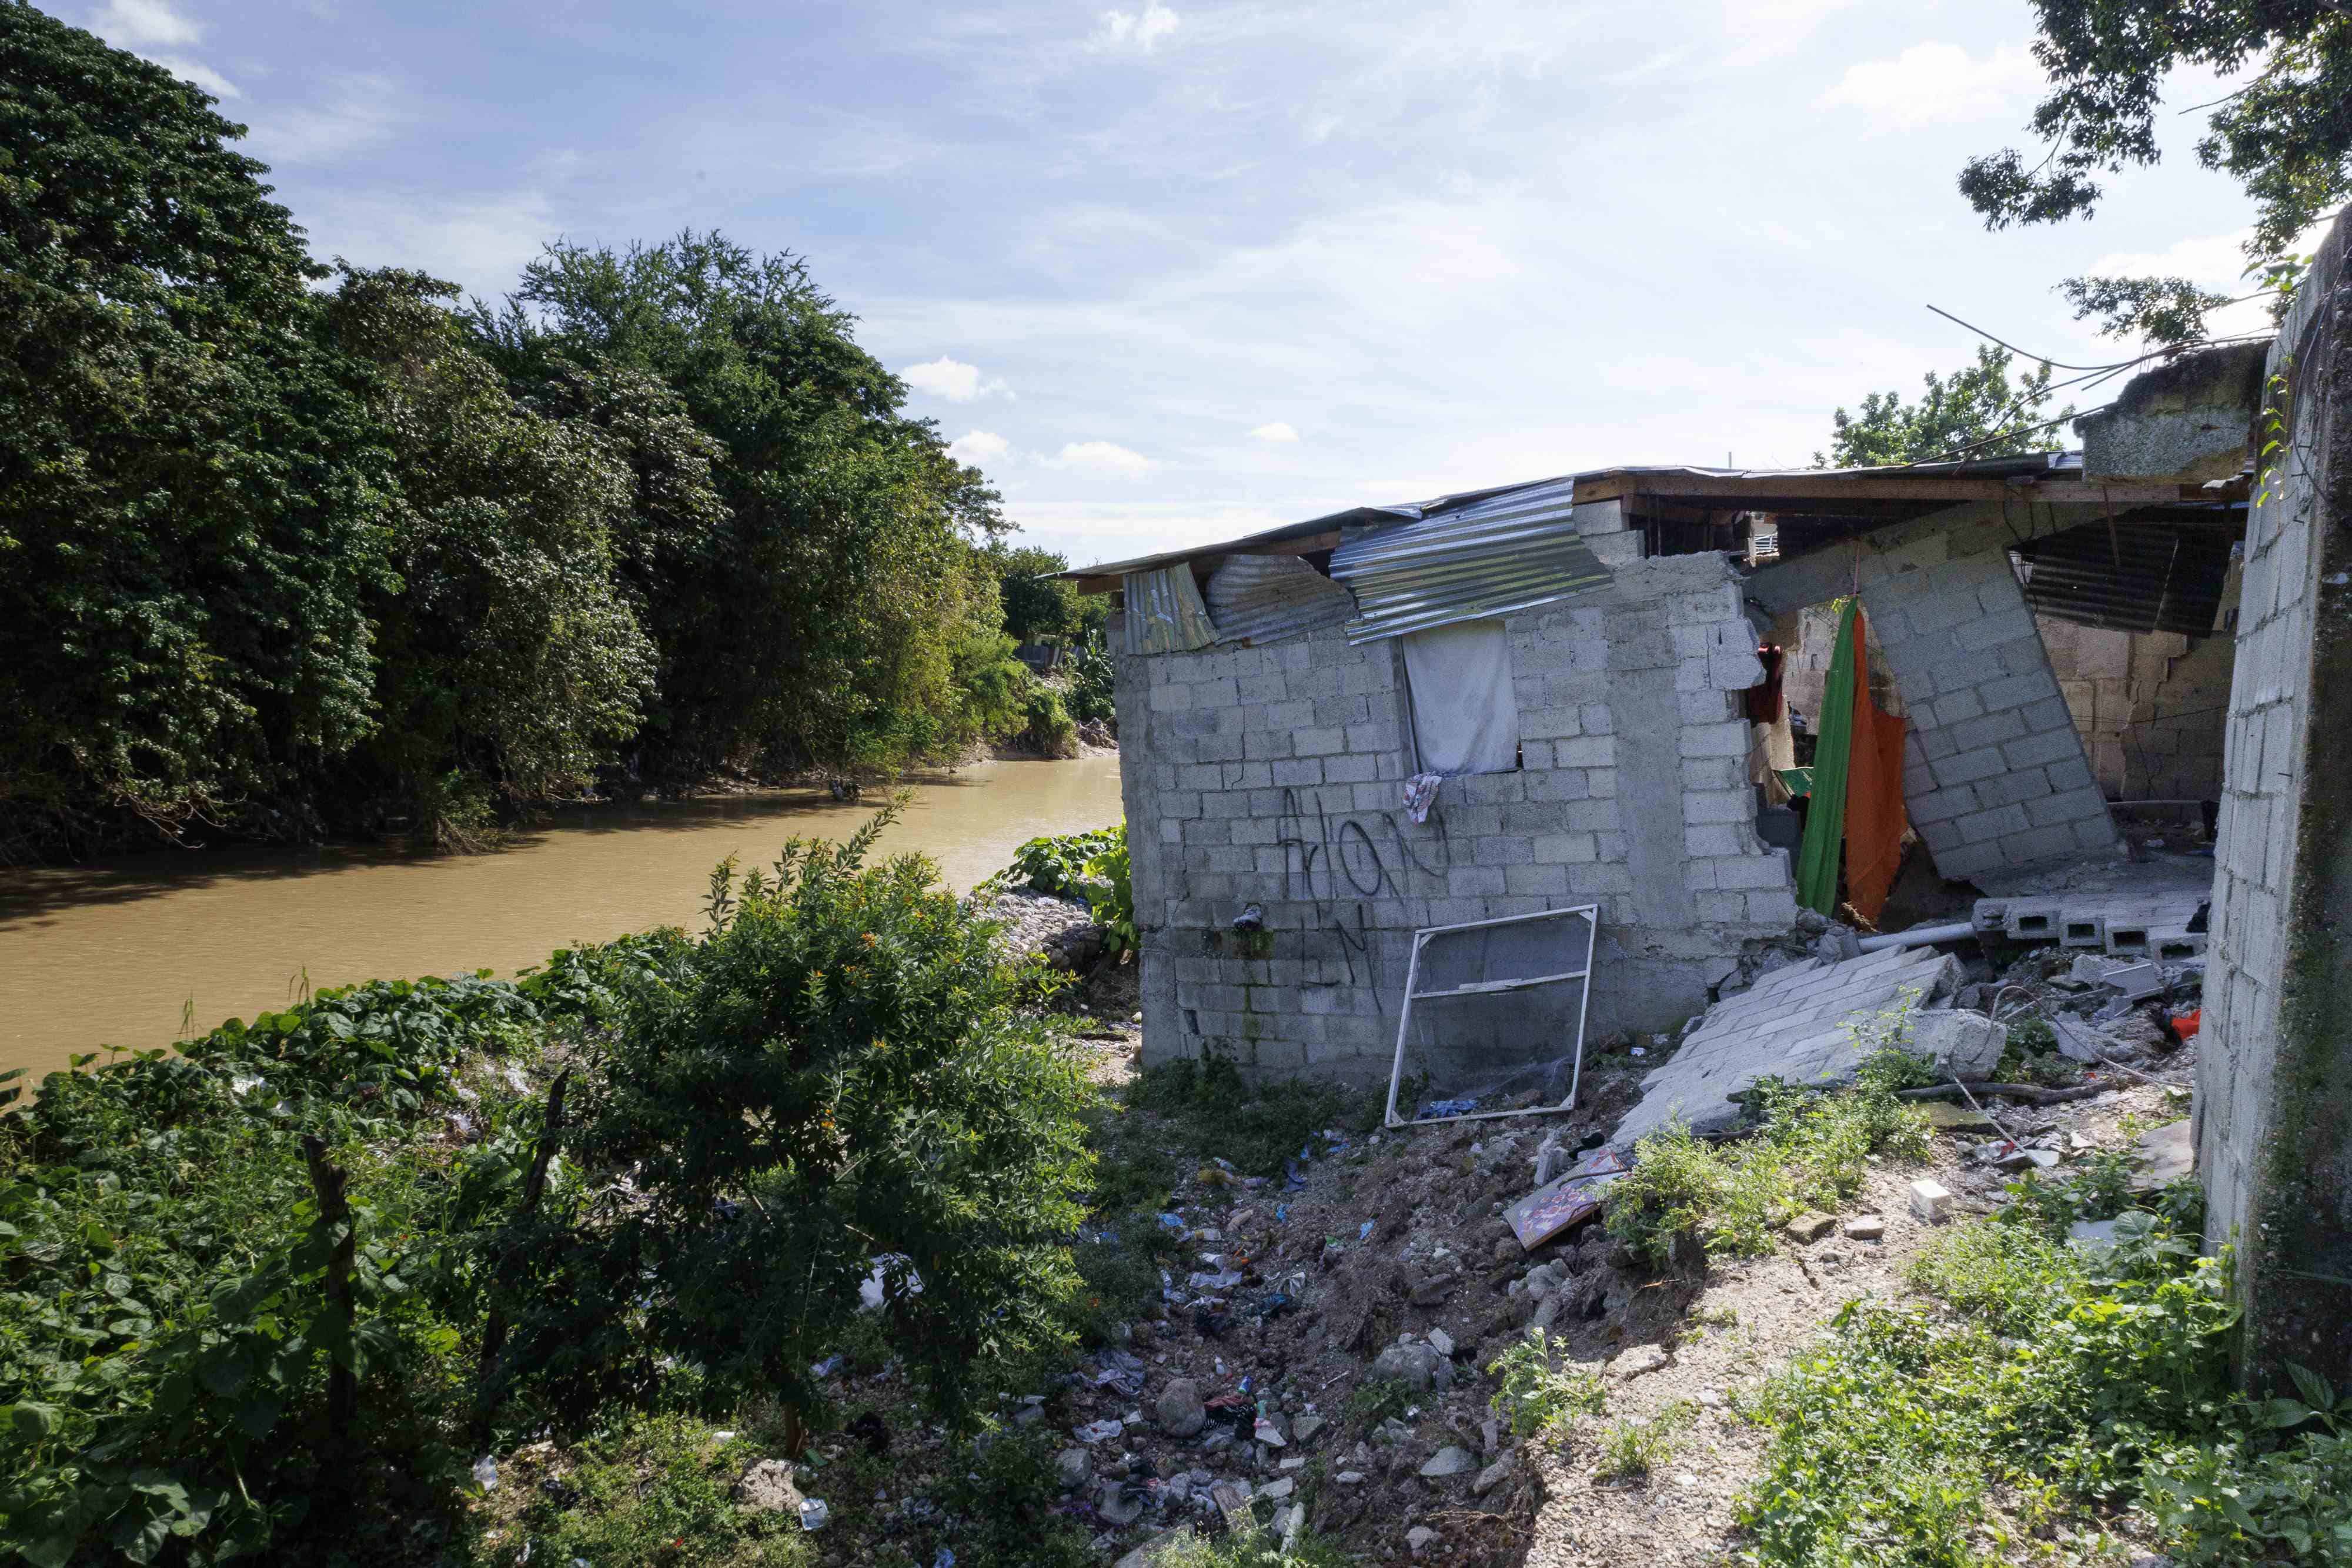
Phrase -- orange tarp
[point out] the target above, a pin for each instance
(1874, 818)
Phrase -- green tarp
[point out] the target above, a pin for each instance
(1817, 860)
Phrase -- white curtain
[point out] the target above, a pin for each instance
(1465, 714)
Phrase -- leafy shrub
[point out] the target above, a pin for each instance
(1093, 673)
(1046, 728)
(167, 1310)
(1057, 866)
(834, 1099)
(1533, 1397)
(1111, 894)
(2237, 1501)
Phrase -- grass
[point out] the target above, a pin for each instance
(2033, 1393)
(1210, 1107)
(1633, 1450)
(1536, 1397)
(1813, 1152)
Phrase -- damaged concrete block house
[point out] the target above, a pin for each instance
(1429, 795)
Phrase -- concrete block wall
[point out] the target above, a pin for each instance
(1994, 772)
(2149, 705)
(2273, 1107)
(1275, 776)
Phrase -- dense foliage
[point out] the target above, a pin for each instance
(1975, 411)
(2285, 135)
(283, 559)
(275, 1290)
(2045, 1378)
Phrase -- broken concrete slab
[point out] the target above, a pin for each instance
(1958, 1119)
(1967, 1045)
(2168, 1155)
(1809, 1023)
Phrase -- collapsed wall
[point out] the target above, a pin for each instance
(1273, 775)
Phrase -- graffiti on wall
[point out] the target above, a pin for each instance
(1332, 860)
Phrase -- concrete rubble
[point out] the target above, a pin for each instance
(1811, 1022)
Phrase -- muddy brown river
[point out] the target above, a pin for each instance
(130, 952)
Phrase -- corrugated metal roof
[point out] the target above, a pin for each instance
(1508, 551)
(1262, 599)
(1164, 612)
(2151, 576)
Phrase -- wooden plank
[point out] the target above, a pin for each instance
(1766, 492)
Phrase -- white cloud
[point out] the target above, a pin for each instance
(481, 244)
(196, 71)
(148, 27)
(357, 112)
(979, 447)
(1931, 84)
(1766, 27)
(130, 24)
(1135, 29)
(1103, 458)
(950, 378)
(1278, 431)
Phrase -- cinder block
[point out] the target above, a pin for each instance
(2040, 843)
(2035, 750)
(1998, 823)
(1718, 806)
(2017, 691)
(1968, 767)
(2032, 919)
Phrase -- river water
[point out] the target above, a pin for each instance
(128, 952)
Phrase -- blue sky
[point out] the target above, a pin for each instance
(1171, 270)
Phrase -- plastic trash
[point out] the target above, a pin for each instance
(1097, 1431)
(945, 1559)
(486, 1473)
(813, 1514)
(1364, 1232)
(825, 1368)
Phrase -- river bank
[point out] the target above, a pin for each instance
(145, 950)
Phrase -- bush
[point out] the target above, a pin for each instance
(834, 1099)
(1111, 895)
(1093, 673)
(173, 1317)
(1057, 866)
(1048, 728)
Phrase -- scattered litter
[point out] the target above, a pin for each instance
(1223, 1280)
(1573, 1199)
(1098, 1431)
(486, 1473)
(1364, 1232)
(825, 1368)
(1437, 1108)
(813, 1514)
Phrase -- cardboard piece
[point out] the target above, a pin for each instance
(1575, 1197)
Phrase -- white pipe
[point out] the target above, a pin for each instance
(1918, 937)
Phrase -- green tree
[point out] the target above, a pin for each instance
(507, 655)
(1975, 411)
(1039, 607)
(821, 623)
(193, 505)
(2286, 135)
